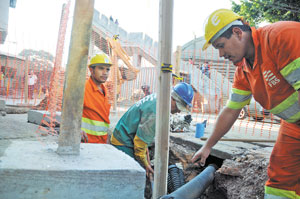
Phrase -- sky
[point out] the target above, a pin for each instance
(143, 16)
(35, 23)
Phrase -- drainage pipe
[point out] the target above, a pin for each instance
(196, 186)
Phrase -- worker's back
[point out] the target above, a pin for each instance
(138, 120)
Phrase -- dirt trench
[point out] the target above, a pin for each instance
(242, 177)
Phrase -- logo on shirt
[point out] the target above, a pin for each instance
(270, 78)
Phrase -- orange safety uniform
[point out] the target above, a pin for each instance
(95, 116)
(273, 80)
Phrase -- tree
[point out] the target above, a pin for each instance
(39, 60)
(257, 11)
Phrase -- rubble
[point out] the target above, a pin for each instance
(242, 177)
(180, 123)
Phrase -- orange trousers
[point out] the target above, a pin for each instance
(284, 166)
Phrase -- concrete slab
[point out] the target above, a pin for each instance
(36, 116)
(223, 149)
(21, 102)
(30, 169)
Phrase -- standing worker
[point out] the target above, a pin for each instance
(32, 79)
(135, 131)
(268, 67)
(95, 116)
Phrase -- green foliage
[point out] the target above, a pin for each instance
(34, 53)
(39, 60)
(257, 11)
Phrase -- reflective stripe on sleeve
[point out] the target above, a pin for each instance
(239, 99)
(241, 92)
(289, 109)
(292, 73)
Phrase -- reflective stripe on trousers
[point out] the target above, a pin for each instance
(269, 196)
(284, 164)
(274, 193)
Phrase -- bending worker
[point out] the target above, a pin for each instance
(268, 68)
(95, 116)
(136, 129)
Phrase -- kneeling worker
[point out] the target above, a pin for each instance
(136, 129)
(95, 116)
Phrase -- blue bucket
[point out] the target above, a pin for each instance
(199, 130)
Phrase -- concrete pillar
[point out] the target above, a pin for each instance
(137, 60)
(4, 11)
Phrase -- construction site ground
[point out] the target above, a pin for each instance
(243, 164)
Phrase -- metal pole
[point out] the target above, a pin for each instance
(69, 138)
(163, 99)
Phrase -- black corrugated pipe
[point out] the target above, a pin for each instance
(175, 178)
(196, 186)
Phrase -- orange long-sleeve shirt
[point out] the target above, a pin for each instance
(273, 78)
(96, 108)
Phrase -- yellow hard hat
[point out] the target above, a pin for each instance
(100, 59)
(216, 21)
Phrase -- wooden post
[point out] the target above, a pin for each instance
(69, 138)
(163, 99)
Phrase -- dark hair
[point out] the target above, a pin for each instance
(229, 32)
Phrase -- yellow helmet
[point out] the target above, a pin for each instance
(216, 21)
(100, 59)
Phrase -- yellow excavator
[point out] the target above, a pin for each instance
(118, 74)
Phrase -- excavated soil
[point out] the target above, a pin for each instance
(242, 177)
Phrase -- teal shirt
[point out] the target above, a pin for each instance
(138, 120)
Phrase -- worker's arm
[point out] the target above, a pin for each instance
(140, 153)
(224, 122)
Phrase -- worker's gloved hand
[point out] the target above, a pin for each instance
(84, 137)
(201, 155)
(188, 119)
(149, 170)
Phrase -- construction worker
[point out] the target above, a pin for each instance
(267, 63)
(146, 89)
(135, 131)
(95, 116)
